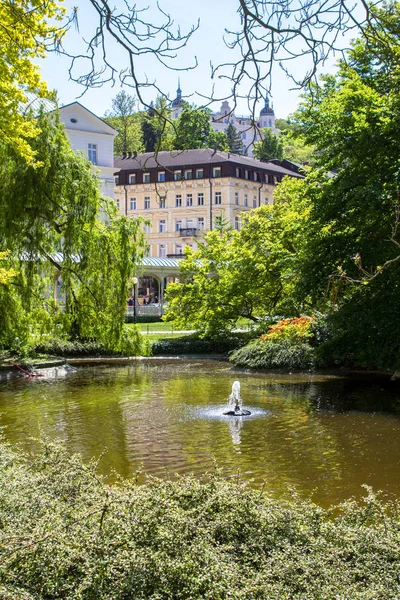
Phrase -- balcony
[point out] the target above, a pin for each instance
(188, 232)
(180, 255)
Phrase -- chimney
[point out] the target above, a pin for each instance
(123, 155)
(129, 155)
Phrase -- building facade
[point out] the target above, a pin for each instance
(248, 127)
(93, 136)
(181, 194)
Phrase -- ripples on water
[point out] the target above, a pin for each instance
(320, 435)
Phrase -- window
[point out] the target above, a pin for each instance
(217, 172)
(218, 221)
(199, 173)
(162, 226)
(146, 202)
(237, 172)
(254, 201)
(266, 200)
(274, 180)
(132, 204)
(161, 176)
(237, 198)
(190, 224)
(200, 199)
(188, 174)
(264, 123)
(132, 178)
(117, 202)
(246, 200)
(255, 175)
(147, 227)
(178, 200)
(246, 174)
(162, 201)
(200, 223)
(177, 175)
(92, 153)
(146, 177)
(189, 200)
(270, 122)
(243, 135)
(237, 227)
(162, 250)
(267, 178)
(178, 249)
(178, 224)
(218, 197)
(116, 180)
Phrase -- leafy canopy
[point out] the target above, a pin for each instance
(27, 28)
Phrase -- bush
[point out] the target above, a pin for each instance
(196, 345)
(65, 534)
(282, 354)
(132, 344)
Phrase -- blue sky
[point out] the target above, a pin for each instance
(206, 44)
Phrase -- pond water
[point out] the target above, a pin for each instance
(323, 436)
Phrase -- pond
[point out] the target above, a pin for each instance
(321, 435)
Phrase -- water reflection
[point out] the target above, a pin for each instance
(166, 418)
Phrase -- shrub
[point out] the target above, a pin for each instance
(266, 354)
(65, 534)
(196, 345)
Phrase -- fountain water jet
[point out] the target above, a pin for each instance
(235, 401)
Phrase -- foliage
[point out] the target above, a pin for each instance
(280, 354)
(234, 138)
(157, 129)
(55, 225)
(123, 117)
(132, 344)
(248, 273)
(65, 533)
(270, 146)
(297, 329)
(195, 345)
(193, 130)
(6, 274)
(27, 27)
(295, 148)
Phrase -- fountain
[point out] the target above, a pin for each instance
(235, 403)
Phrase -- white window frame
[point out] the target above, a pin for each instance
(132, 178)
(162, 226)
(218, 198)
(162, 250)
(117, 202)
(216, 171)
(93, 153)
(132, 203)
(254, 201)
(246, 200)
(189, 200)
(177, 175)
(146, 203)
(178, 249)
(178, 225)
(201, 223)
(200, 199)
(146, 177)
(188, 174)
(237, 198)
(162, 201)
(161, 176)
(237, 223)
(199, 173)
(178, 200)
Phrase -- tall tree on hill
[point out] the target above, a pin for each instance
(126, 120)
(193, 130)
(269, 147)
(234, 139)
(157, 128)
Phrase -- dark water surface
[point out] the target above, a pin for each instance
(321, 435)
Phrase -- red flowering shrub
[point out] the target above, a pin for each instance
(297, 329)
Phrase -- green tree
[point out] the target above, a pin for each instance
(27, 28)
(351, 258)
(270, 146)
(52, 227)
(127, 121)
(193, 130)
(248, 273)
(234, 137)
(157, 128)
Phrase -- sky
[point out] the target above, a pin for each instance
(206, 45)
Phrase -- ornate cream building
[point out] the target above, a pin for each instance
(248, 127)
(183, 193)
